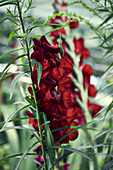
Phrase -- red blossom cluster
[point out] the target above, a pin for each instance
(56, 93)
(79, 49)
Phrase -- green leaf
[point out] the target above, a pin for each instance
(24, 154)
(7, 18)
(58, 28)
(7, 3)
(9, 74)
(23, 59)
(106, 20)
(14, 82)
(13, 114)
(18, 119)
(109, 37)
(36, 36)
(109, 165)
(10, 37)
(17, 127)
(102, 10)
(9, 64)
(30, 101)
(108, 68)
(74, 150)
(31, 28)
(75, 128)
(85, 6)
(109, 107)
(49, 141)
(39, 71)
(10, 52)
(15, 155)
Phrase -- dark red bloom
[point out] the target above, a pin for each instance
(79, 45)
(85, 53)
(56, 95)
(65, 66)
(40, 159)
(87, 70)
(92, 91)
(73, 135)
(73, 24)
(38, 149)
(68, 98)
(94, 108)
(30, 90)
(73, 113)
(66, 166)
(32, 121)
(57, 33)
(64, 5)
(64, 84)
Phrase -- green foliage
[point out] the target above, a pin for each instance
(49, 141)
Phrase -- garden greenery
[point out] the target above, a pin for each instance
(59, 103)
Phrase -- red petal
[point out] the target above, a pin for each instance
(73, 135)
(51, 48)
(85, 53)
(92, 91)
(29, 114)
(94, 109)
(79, 45)
(65, 66)
(74, 24)
(30, 89)
(67, 98)
(87, 69)
(55, 74)
(64, 84)
(62, 31)
(64, 5)
(73, 113)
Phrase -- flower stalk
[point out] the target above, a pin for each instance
(34, 91)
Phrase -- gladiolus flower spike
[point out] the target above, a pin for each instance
(56, 93)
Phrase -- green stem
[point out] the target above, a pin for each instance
(36, 103)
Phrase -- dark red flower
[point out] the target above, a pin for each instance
(73, 135)
(34, 122)
(30, 89)
(92, 91)
(85, 53)
(64, 84)
(56, 95)
(40, 159)
(65, 66)
(73, 24)
(87, 70)
(73, 113)
(66, 166)
(64, 5)
(79, 45)
(94, 108)
(57, 33)
(58, 134)
(68, 98)
(38, 149)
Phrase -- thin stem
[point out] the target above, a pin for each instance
(36, 103)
